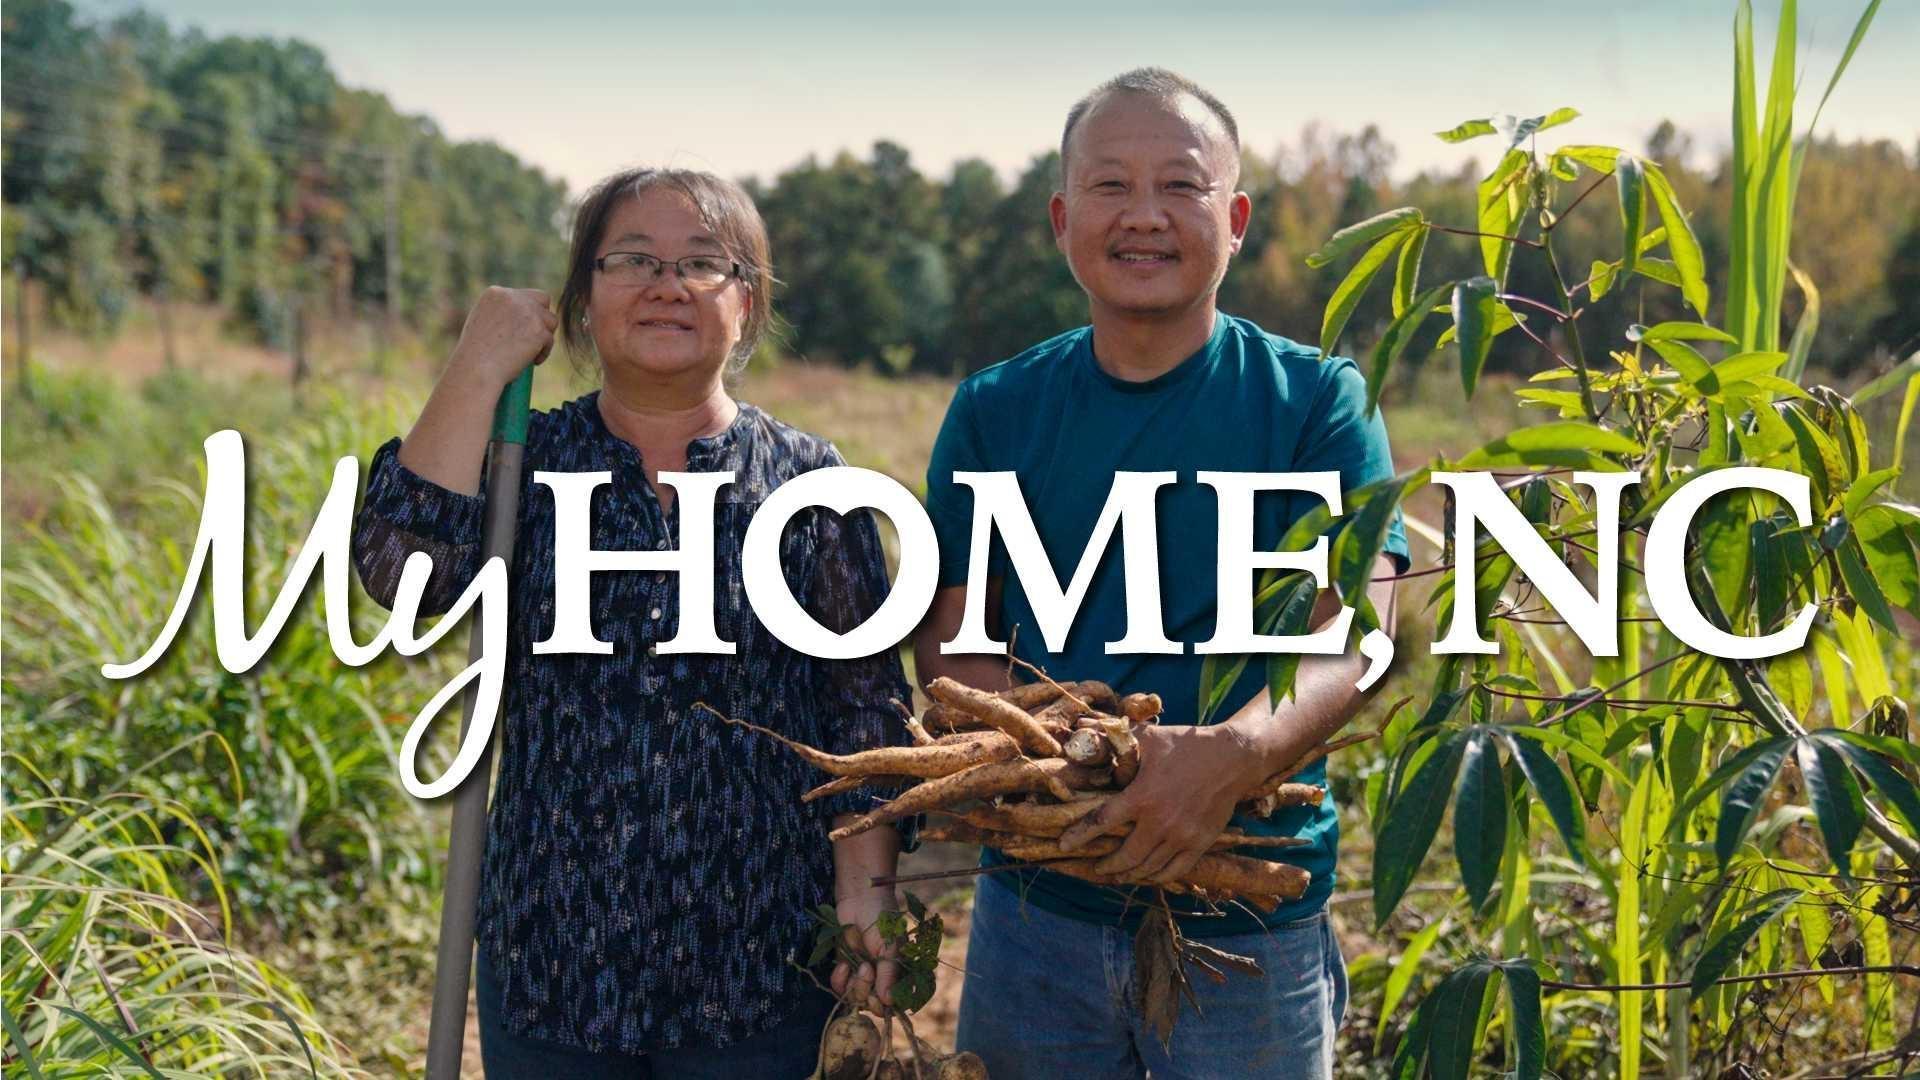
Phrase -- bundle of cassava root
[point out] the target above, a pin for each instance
(1021, 771)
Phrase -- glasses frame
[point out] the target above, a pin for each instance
(733, 268)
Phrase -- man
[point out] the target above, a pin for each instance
(1148, 218)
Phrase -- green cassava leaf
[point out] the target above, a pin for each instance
(1412, 820)
(1454, 1041)
(1346, 297)
(1835, 798)
(1551, 786)
(1864, 752)
(1863, 585)
(1686, 360)
(1480, 816)
(1681, 243)
(1562, 443)
(1293, 616)
(1393, 343)
(1351, 237)
(1406, 272)
(1466, 129)
(1724, 950)
(1473, 311)
(1747, 791)
(1523, 1003)
(1889, 555)
(1679, 331)
(1498, 204)
(1630, 184)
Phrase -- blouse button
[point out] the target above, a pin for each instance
(654, 614)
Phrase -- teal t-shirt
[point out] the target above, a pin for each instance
(1247, 401)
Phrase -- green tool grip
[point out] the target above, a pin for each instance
(510, 415)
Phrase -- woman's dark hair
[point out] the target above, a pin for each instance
(725, 208)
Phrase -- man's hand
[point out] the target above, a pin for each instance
(868, 985)
(1190, 778)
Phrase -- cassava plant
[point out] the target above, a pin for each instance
(1732, 835)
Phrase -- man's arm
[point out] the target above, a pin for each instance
(942, 622)
(1191, 777)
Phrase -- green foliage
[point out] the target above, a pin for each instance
(112, 970)
(913, 935)
(240, 171)
(1741, 809)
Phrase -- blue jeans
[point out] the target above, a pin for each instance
(788, 1050)
(1048, 997)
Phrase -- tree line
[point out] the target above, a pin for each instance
(141, 160)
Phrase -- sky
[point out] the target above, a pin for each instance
(583, 89)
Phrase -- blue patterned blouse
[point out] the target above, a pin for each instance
(648, 868)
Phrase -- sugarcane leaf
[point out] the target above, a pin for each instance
(113, 1040)
(1721, 952)
(1401, 976)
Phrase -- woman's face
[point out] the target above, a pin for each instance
(664, 328)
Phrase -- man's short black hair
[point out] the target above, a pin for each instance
(1154, 82)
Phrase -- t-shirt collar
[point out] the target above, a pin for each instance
(1178, 373)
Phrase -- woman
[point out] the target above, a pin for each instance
(649, 870)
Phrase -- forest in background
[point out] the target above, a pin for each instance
(142, 159)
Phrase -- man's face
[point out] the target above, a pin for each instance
(1149, 216)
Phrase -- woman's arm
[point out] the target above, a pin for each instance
(423, 493)
(506, 330)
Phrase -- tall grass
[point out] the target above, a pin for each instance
(114, 969)
(272, 796)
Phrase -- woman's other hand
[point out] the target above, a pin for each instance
(870, 983)
(506, 330)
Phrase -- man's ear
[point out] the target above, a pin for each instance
(1239, 215)
(1057, 213)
